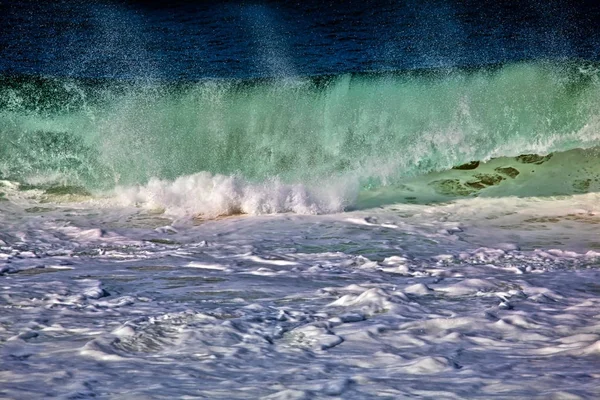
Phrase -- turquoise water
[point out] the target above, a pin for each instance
(378, 128)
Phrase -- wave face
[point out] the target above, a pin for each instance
(374, 129)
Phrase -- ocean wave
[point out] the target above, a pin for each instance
(377, 129)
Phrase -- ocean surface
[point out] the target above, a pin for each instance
(299, 200)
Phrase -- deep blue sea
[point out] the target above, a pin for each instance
(239, 39)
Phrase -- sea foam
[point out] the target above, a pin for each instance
(205, 195)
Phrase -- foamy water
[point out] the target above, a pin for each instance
(474, 298)
(207, 196)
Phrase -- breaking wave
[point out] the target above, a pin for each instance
(308, 145)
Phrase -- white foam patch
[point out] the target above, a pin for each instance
(467, 287)
(208, 196)
(369, 301)
(216, 267)
(101, 349)
(315, 337)
(260, 260)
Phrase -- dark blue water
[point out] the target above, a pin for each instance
(182, 40)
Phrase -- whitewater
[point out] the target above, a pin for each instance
(346, 232)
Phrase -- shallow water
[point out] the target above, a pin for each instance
(474, 298)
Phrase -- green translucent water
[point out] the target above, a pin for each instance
(378, 128)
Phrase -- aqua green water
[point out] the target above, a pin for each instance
(379, 128)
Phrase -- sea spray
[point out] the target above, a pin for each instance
(376, 128)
